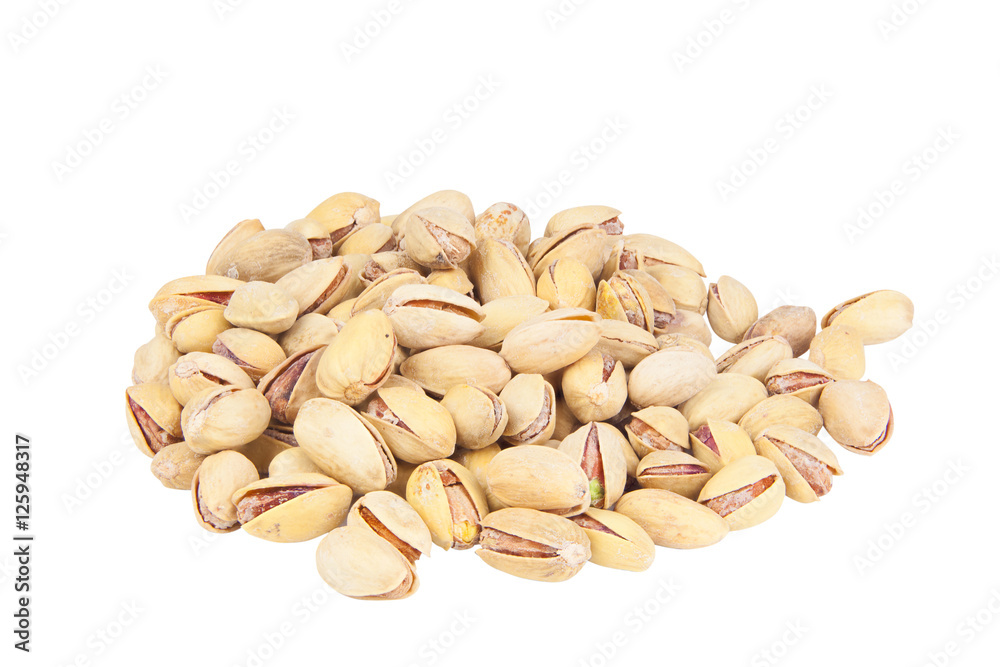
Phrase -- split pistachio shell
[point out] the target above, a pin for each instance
(616, 541)
(290, 462)
(719, 443)
(533, 545)
(686, 287)
(504, 222)
(315, 232)
(393, 519)
(796, 324)
(343, 311)
(728, 397)
(254, 352)
(198, 371)
(657, 428)
(153, 416)
(806, 464)
(531, 406)
(450, 501)
(368, 240)
(344, 445)
(620, 257)
(224, 418)
(175, 466)
(841, 351)
(540, 478)
(584, 245)
(191, 292)
(755, 357)
(878, 317)
(857, 415)
(499, 269)
(551, 342)
(672, 520)
(266, 256)
(359, 359)
(745, 493)
(319, 285)
(415, 428)
(624, 342)
(732, 309)
(456, 280)
(595, 388)
(381, 263)
(196, 329)
(239, 233)
(661, 252)
(426, 316)
(356, 563)
(661, 304)
(345, 213)
(262, 307)
(439, 369)
(217, 479)
(453, 199)
(669, 377)
(622, 297)
(567, 283)
(153, 360)
(782, 409)
(689, 323)
(476, 460)
(665, 341)
(291, 383)
(798, 377)
(501, 316)
(585, 217)
(375, 295)
(309, 331)
(599, 449)
(673, 471)
(439, 237)
(293, 508)
(480, 417)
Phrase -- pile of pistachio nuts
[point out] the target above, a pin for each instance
(437, 377)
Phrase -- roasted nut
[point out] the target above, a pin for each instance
(685, 286)
(731, 309)
(585, 217)
(796, 324)
(551, 342)
(454, 279)
(781, 409)
(292, 461)
(368, 240)
(755, 357)
(567, 283)
(533, 545)
(153, 417)
(381, 263)
(806, 465)
(153, 359)
(293, 508)
(359, 360)
(531, 406)
(499, 270)
(426, 316)
(315, 232)
(728, 397)
(442, 368)
(375, 295)
(599, 450)
(309, 331)
(673, 471)
(595, 388)
(480, 417)
(656, 252)
(291, 383)
(356, 563)
(857, 415)
(198, 371)
(719, 443)
(175, 466)
(262, 451)
(393, 519)
(319, 285)
(449, 500)
(585, 245)
(504, 222)
(841, 351)
(439, 237)
(262, 307)
(616, 541)
(254, 352)
(745, 493)
(622, 297)
(690, 324)
(655, 429)
(665, 341)
(539, 477)
(224, 418)
(345, 213)
(453, 199)
(196, 329)
(625, 342)
(501, 316)
(266, 256)
(239, 233)
(798, 377)
(661, 304)
(669, 377)
(217, 479)
(415, 428)
(672, 520)
(476, 460)
(878, 317)
(187, 293)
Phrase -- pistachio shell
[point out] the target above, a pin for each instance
(368, 240)
(595, 388)
(616, 541)
(426, 316)
(266, 256)
(318, 286)
(480, 417)
(622, 297)
(656, 252)
(293, 508)
(262, 307)
(439, 237)
(599, 450)
(153, 417)
(551, 341)
(840, 350)
(476, 460)
(673, 471)
(196, 329)
(732, 309)
(383, 262)
(375, 295)
(625, 342)
(439, 369)
(224, 418)
(584, 245)
(501, 316)
(798, 377)
(567, 283)
(657, 428)
(672, 520)
(755, 357)
(359, 359)
(531, 405)
(276, 439)
(453, 199)
(450, 501)
(393, 519)
(454, 279)
(499, 270)
(685, 286)
(805, 463)
(358, 564)
(661, 304)
(198, 371)
(504, 222)
(719, 443)
(533, 545)
(745, 493)
(254, 352)
(689, 323)
(315, 232)
(585, 217)
(665, 341)
(291, 461)
(291, 383)
(796, 324)
(781, 409)
(309, 331)
(175, 466)
(239, 233)
(212, 488)
(857, 415)
(727, 397)
(344, 213)
(669, 377)
(186, 293)
(878, 317)
(415, 428)
(153, 360)
(540, 478)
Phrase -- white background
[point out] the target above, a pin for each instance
(87, 241)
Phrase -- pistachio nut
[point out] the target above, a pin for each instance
(309, 331)
(384, 262)
(665, 341)
(599, 450)
(595, 388)
(252, 351)
(477, 460)
(153, 360)
(727, 397)
(359, 360)
(504, 222)
(359, 564)
(292, 461)
(375, 295)
(531, 405)
(368, 240)
(661, 304)
(319, 285)
(539, 477)
(393, 519)
(453, 199)
(480, 417)
(624, 342)
(261, 306)
(567, 283)
(533, 545)
(426, 316)
(292, 508)
(276, 439)
(456, 280)
(685, 286)
(450, 501)
(153, 416)
(175, 466)
(398, 381)
(690, 324)
(840, 350)
(672, 520)
(196, 329)
(622, 297)
(616, 541)
(198, 371)
(669, 377)
(656, 429)
(187, 293)
(657, 252)
(551, 341)
(755, 357)
(499, 269)
(718, 443)
(345, 213)
(796, 324)
(745, 493)
(342, 312)
(439, 369)
(857, 415)
(782, 409)
(291, 383)
(585, 217)
(806, 464)
(798, 377)
(266, 256)
(673, 471)
(585, 245)
(224, 418)
(239, 233)
(878, 317)
(501, 316)
(415, 428)
(439, 237)
(732, 309)
(212, 488)
(315, 232)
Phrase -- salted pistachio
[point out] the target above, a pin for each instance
(266, 256)
(375, 295)
(673, 471)
(393, 519)
(187, 293)
(319, 285)
(342, 312)
(540, 478)
(441, 368)
(383, 262)
(456, 280)
(595, 388)
(276, 439)
(356, 563)
(477, 460)
(501, 316)
(661, 304)
(240, 232)
(840, 350)
(599, 450)
(368, 240)
(798, 377)
(857, 415)
(732, 309)
(672, 520)
(745, 493)
(685, 286)
(551, 341)
(153, 416)
(254, 352)
(796, 324)
(292, 508)
(216, 480)
(261, 306)
(690, 324)
(755, 356)
(727, 397)
(665, 341)
(585, 217)
(533, 545)
(175, 466)
(153, 360)
(781, 409)
(505, 222)
(498, 269)
(309, 331)
(344, 446)
(585, 245)
(669, 377)
(567, 283)
(656, 251)
(439, 237)
(878, 317)
(355, 265)
(426, 316)
(196, 329)
(359, 359)
(806, 464)
(345, 213)
(624, 342)
(718, 443)
(415, 427)
(531, 407)
(620, 258)
(292, 461)
(480, 417)
(198, 371)
(291, 383)
(657, 428)
(317, 235)
(622, 297)
(224, 418)
(450, 501)
(453, 199)
(616, 541)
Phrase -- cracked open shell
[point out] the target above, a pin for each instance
(498, 269)
(719, 443)
(292, 508)
(415, 427)
(657, 428)
(153, 416)
(599, 449)
(186, 293)
(480, 417)
(198, 371)
(745, 493)
(393, 519)
(585, 245)
(669, 377)
(805, 463)
(616, 541)
(877, 316)
(501, 316)
(224, 418)
(291, 383)
(345, 213)
(728, 397)
(356, 563)
(552, 341)
(732, 309)
(672, 520)
(857, 415)
(196, 329)
(319, 285)
(755, 357)
(533, 545)
(426, 316)
(798, 377)
(782, 409)
(540, 478)
(585, 217)
(439, 369)
(673, 471)
(359, 360)
(450, 501)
